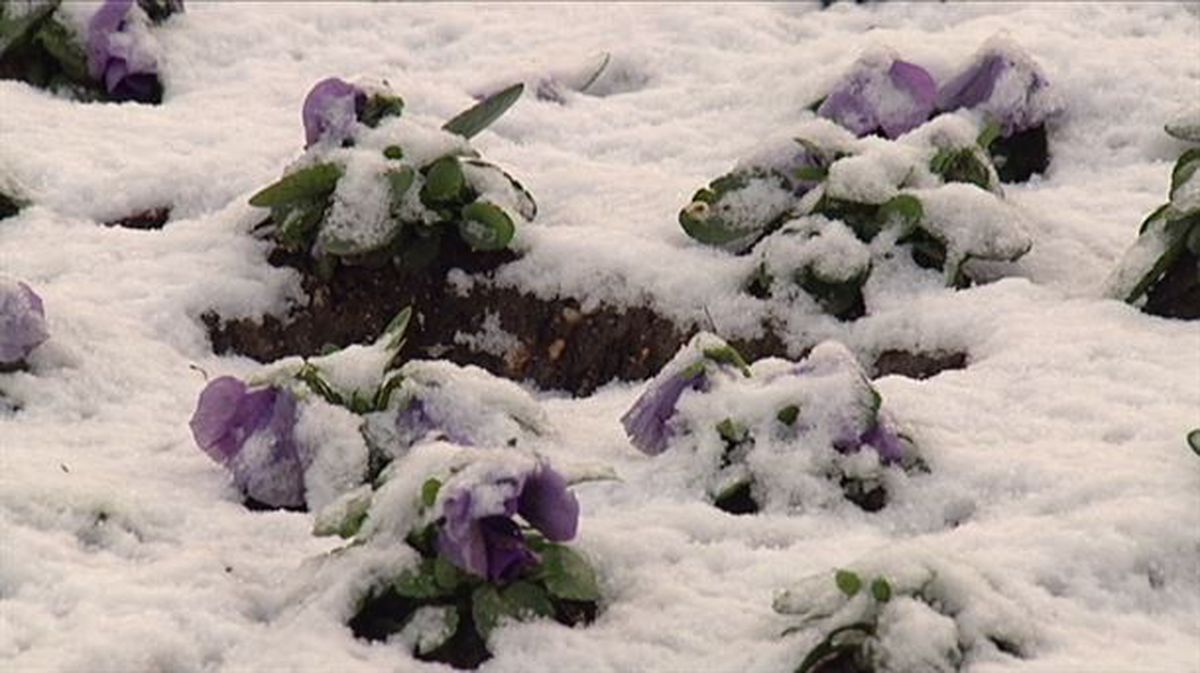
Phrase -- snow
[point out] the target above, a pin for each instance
(1061, 506)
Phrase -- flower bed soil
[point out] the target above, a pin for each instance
(551, 342)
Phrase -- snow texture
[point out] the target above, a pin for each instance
(1058, 466)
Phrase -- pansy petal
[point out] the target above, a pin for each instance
(548, 505)
(646, 421)
(507, 554)
(331, 110)
(22, 321)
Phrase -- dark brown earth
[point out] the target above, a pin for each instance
(155, 218)
(558, 345)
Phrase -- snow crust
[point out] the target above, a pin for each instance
(1058, 468)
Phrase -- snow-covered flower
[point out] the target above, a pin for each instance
(881, 93)
(119, 56)
(22, 321)
(477, 531)
(882, 439)
(252, 433)
(331, 110)
(646, 422)
(1005, 84)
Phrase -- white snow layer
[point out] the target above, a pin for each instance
(1058, 467)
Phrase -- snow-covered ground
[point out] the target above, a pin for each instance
(1060, 483)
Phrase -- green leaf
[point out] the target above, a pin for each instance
(394, 152)
(728, 355)
(420, 582)
(471, 121)
(988, 135)
(60, 42)
(810, 173)
(486, 609)
(843, 639)
(14, 31)
(380, 106)
(567, 575)
(788, 414)
(904, 208)
(1184, 169)
(400, 180)
(1193, 239)
(429, 491)
(310, 375)
(444, 182)
(526, 600)
(848, 582)
(1193, 439)
(881, 590)
(965, 164)
(732, 431)
(448, 576)
(296, 223)
(1163, 211)
(394, 332)
(430, 639)
(307, 184)
(485, 226)
(521, 601)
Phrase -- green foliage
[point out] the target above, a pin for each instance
(380, 106)
(1193, 440)
(841, 642)
(485, 226)
(848, 582)
(307, 184)
(566, 574)
(964, 164)
(471, 121)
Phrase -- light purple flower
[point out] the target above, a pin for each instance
(881, 438)
(880, 95)
(251, 432)
(116, 58)
(331, 111)
(1005, 84)
(646, 422)
(22, 321)
(478, 533)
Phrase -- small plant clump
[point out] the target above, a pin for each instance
(375, 189)
(899, 614)
(775, 433)
(1161, 271)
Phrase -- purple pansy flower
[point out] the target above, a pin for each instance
(251, 432)
(477, 531)
(885, 442)
(1005, 84)
(331, 110)
(646, 422)
(22, 321)
(880, 94)
(117, 58)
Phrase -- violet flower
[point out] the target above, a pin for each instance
(880, 95)
(885, 442)
(478, 533)
(331, 110)
(646, 421)
(22, 321)
(251, 432)
(116, 58)
(1005, 84)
